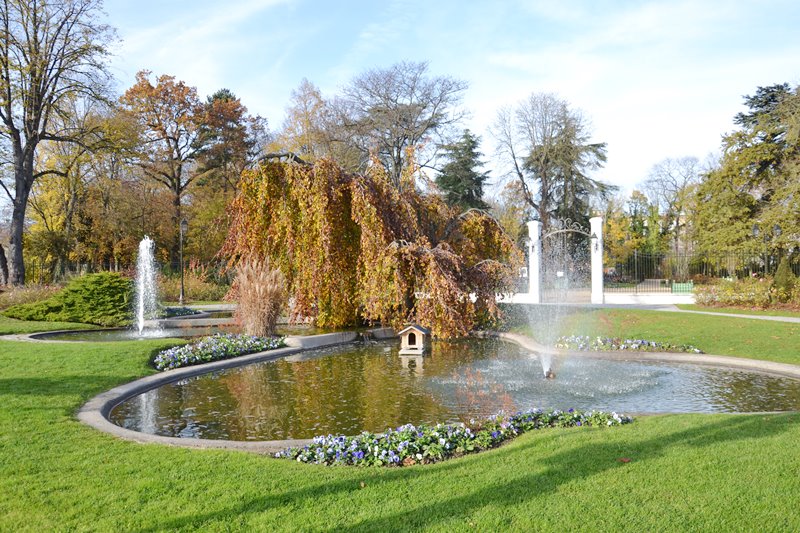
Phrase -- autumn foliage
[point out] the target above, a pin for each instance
(356, 248)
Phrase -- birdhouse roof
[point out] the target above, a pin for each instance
(417, 328)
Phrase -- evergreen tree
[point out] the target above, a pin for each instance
(756, 181)
(460, 179)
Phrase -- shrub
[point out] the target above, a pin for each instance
(26, 295)
(103, 299)
(196, 288)
(408, 445)
(784, 281)
(214, 348)
(262, 295)
(748, 292)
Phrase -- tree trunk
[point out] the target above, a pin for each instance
(23, 181)
(3, 266)
(16, 263)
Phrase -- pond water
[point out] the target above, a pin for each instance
(346, 390)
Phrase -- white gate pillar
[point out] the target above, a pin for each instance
(535, 261)
(596, 229)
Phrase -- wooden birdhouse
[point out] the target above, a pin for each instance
(414, 340)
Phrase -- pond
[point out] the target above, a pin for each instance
(346, 390)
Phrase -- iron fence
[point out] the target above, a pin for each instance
(678, 273)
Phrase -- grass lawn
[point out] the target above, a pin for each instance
(718, 335)
(686, 472)
(738, 311)
(12, 325)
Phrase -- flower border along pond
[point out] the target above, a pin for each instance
(96, 411)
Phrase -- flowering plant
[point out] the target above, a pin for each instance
(214, 348)
(170, 312)
(584, 343)
(409, 444)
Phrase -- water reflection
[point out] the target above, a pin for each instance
(369, 387)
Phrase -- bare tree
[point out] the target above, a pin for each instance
(546, 145)
(388, 111)
(50, 52)
(670, 186)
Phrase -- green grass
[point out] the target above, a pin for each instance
(738, 311)
(687, 472)
(12, 325)
(718, 335)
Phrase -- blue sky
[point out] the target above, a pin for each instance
(656, 79)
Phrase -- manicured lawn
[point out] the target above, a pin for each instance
(12, 325)
(718, 335)
(738, 311)
(688, 472)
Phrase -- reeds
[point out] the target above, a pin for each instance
(262, 296)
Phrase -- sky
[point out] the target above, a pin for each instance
(655, 79)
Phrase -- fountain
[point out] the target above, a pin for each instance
(146, 287)
(547, 365)
(560, 277)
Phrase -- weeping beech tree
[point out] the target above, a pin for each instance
(355, 248)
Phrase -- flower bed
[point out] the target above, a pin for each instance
(214, 348)
(171, 312)
(749, 292)
(409, 444)
(584, 343)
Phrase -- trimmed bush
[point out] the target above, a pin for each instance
(784, 281)
(103, 299)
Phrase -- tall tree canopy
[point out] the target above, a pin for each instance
(51, 52)
(354, 247)
(169, 115)
(230, 140)
(757, 181)
(386, 112)
(547, 146)
(459, 179)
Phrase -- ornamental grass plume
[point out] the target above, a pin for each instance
(262, 295)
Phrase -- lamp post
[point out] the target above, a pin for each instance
(184, 226)
(776, 231)
(756, 232)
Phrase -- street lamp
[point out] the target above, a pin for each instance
(756, 232)
(184, 227)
